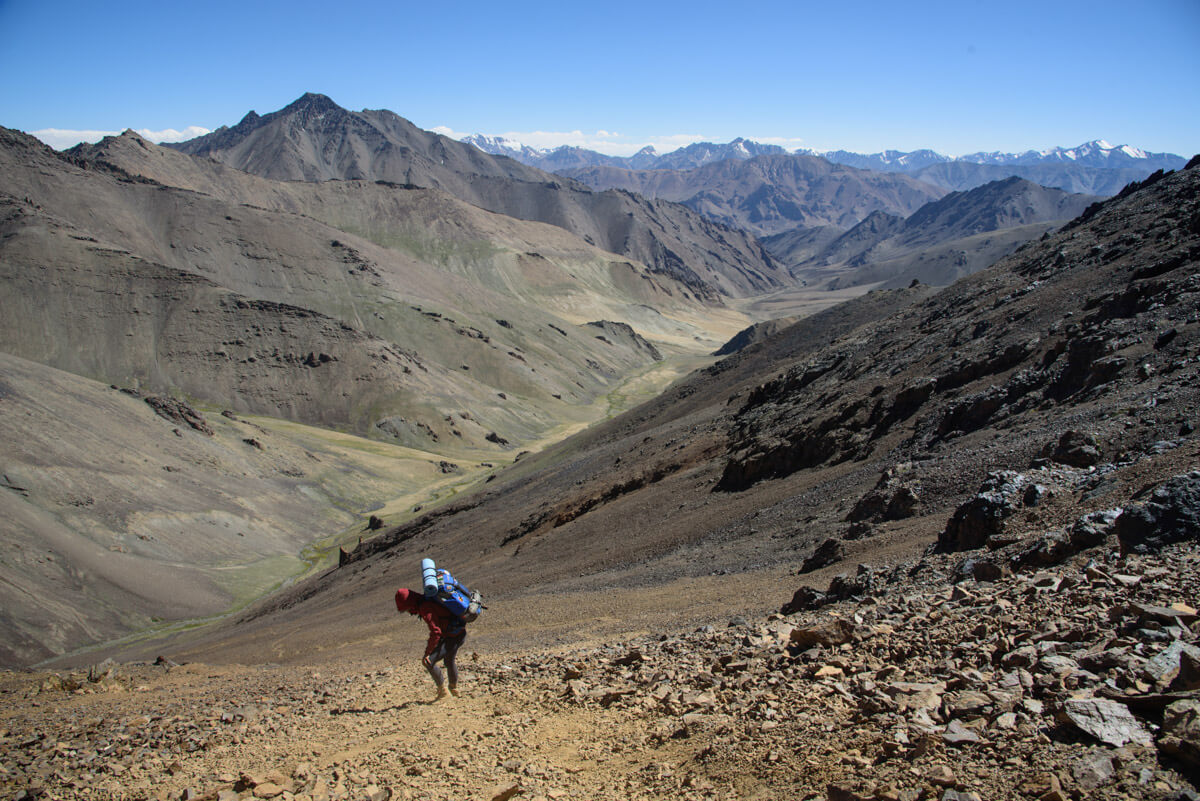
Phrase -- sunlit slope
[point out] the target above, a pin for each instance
(114, 517)
(426, 319)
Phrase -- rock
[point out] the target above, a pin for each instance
(803, 600)
(179, 412)
(982, 569)
(1166, 667)
(1074, 448)
(1108, 721)
(829, 633)
(941, 775)
(847, 792)
(504, 792)
(903, 504)
(1188, 678)
(1050, 789)
(1171, 515)
(981, 518)
(842, 588)
(956, 795)
(1058, 546)
(827, 553)
(1094, 770)
(958, 734)
(1180, 734)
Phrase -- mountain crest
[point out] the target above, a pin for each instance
(312, 102)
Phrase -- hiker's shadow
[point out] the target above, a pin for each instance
(371, 711)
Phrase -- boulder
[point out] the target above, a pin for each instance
(829, 633)
(803, 600)
(1180, 734)
(1171, 515)
(827, 553)
(1109, 722)
(1074, 448)
(982, 517)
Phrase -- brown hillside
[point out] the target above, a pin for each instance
(1088, 331)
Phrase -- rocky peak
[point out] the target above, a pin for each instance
(311, 103)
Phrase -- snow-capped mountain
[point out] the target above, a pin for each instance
(570, 157)
(887, 161)
(701, 153)
(1095, 167)
(1097, 153)
(499, 146)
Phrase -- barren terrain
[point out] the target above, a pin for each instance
(921, 545)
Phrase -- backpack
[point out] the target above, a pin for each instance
(463, 602)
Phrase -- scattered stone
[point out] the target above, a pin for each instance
(1108, 721)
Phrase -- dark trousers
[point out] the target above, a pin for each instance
(444, 651)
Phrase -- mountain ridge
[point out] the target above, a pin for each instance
(767, 194)
(1094, 167)
(712, 259)
(942, 241)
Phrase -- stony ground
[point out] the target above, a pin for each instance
(1074, 680)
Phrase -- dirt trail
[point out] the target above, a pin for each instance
(914, 687)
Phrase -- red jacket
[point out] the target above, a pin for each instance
(441, 621)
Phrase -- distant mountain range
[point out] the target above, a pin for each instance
(768, 194)
(1095, 167)
(941, 242)
(692, 214)
(567, 157)
(1097, 153)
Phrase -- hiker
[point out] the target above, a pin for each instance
(447, 631)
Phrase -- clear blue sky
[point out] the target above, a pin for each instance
(953, 76)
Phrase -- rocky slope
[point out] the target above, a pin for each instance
(314, 139)
(1079, 679)
(1010, 461)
